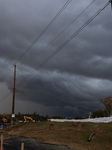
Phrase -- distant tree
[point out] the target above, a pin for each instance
(34, 116)
(107, 103)
(87, 115)
(47, 116)
(57, 117)
(20, 116)
(99, 113)
(79, 117)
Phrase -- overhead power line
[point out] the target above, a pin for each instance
(57, 15)
(51, 22)
(63, 45)
(59, 34)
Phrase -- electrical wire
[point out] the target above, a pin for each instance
(8, 82)
(60, 33)
(62, 46)
(65, 43)
(57, 15)
(5, 96)
(51, 22)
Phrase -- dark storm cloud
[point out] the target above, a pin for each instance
(73, 80)
(65, 91)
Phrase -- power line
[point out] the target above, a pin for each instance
(57, 15)
(60, 33)
(63, 45)
(9, 82)
(5, 96)
(51, 22)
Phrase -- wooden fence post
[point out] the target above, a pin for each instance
(1, 142)
(22, 146)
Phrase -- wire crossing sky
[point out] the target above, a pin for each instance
(57, 36)
(51, 22)
(65, 43)
(72, 81)
(60, 33)
(44, 61)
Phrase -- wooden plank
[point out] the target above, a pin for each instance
(1, 142)
(22, 146)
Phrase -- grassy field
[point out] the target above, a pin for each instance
(75, 135)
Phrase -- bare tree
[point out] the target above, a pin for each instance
(107, 103)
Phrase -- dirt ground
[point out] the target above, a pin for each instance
(74, 135)
(14, 143)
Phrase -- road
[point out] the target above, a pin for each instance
(14, 143)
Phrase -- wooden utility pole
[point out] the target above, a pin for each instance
(13, 102)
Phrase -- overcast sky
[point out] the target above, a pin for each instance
(71, 82)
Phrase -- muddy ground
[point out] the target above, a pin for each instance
(71, 135)
(14, 143)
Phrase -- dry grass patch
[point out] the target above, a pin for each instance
(75, 135)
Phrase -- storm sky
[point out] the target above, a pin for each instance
(68, 82)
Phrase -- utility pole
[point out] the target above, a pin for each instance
(13, 102)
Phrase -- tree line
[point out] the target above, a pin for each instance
(37, 117)
(107, 102)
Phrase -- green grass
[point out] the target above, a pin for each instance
(86, 137)
(107, 127)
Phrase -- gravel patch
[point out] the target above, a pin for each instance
(12, 143)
